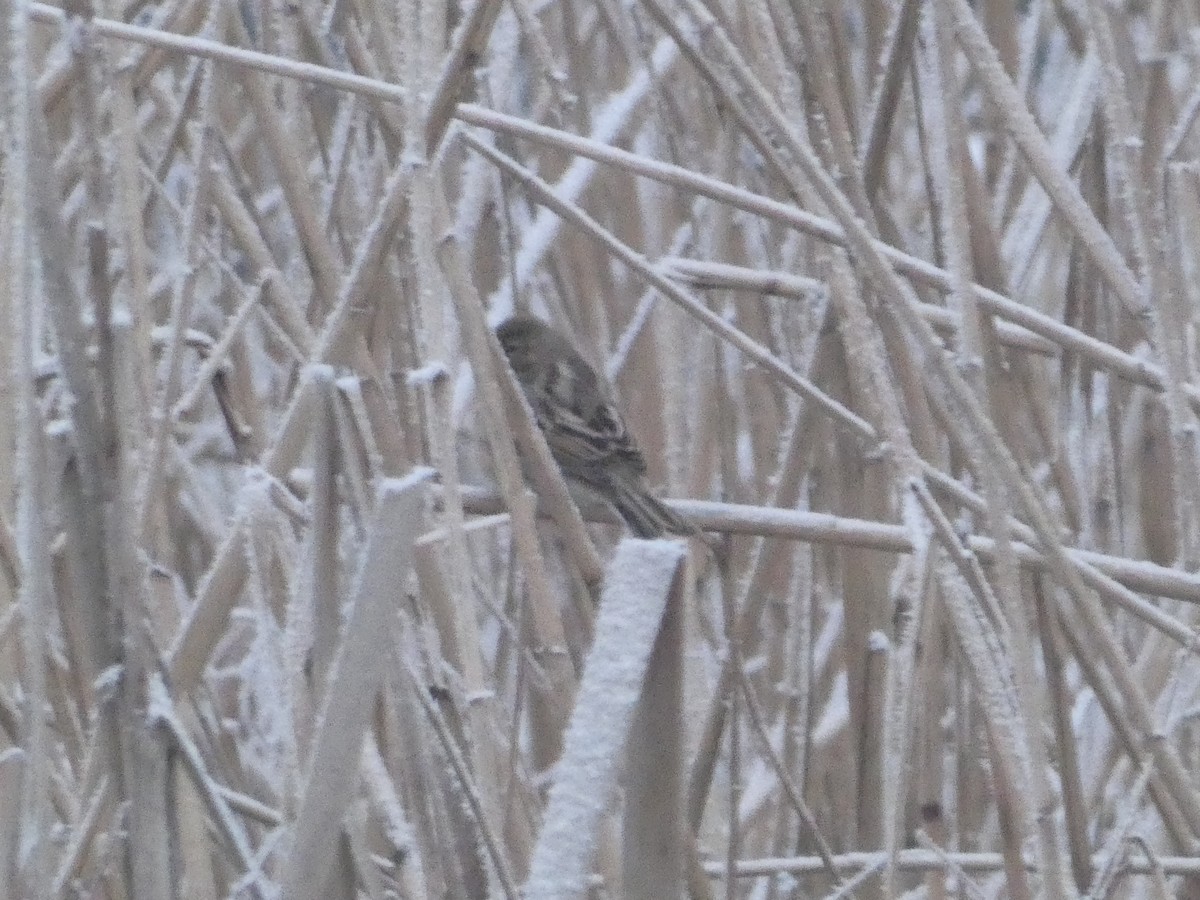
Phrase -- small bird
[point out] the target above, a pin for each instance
(585, 432)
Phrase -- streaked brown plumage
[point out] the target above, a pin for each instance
(585, 432)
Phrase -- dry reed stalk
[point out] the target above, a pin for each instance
(978, 358)
(12, 776)
(552, 699)
(26, 858)
(923, 859)
(355, 676)
(628, 629)
(1024, 130)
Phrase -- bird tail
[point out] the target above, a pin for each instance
(645, 514)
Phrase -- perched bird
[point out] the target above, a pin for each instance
(585, 432)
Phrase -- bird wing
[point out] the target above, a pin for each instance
(583, 428)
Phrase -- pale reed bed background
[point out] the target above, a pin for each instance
(900, 295)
